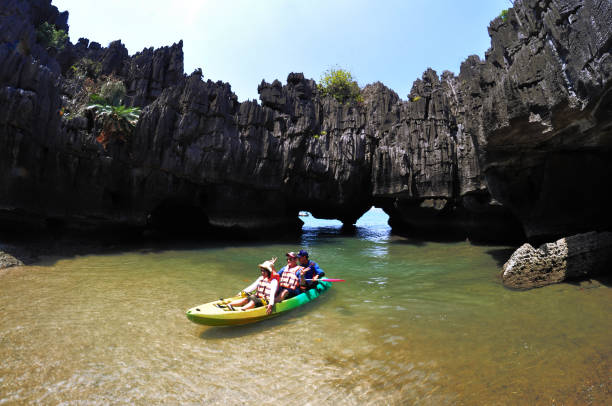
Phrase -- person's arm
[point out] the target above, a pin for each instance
(252, 286)
(318, 271)
(273, 287)
(302, 272)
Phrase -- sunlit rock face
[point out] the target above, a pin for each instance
(516, 143)
(545, 138)
(570, 258)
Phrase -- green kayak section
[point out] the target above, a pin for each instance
(210, 315)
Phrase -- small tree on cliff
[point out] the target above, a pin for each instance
(339, 83)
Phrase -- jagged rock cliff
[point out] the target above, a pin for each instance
(516, 143)
(545, 134)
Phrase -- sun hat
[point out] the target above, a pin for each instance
(268, 265)
(291, 254)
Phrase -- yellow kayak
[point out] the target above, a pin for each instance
(211, 315)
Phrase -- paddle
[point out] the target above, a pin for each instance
(327, 280)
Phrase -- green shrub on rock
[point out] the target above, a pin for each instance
(85, 67)
(113, 91)
(504, 15)
(339, 84)
(51, 37)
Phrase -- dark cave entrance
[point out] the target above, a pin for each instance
(178, 218)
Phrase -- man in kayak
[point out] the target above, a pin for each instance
(289, 278)
(263, 290)
(311, 272)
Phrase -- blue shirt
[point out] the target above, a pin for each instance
(314, 269)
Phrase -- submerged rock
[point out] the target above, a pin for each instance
(577, 257)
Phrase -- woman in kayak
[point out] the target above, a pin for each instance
(262, 291)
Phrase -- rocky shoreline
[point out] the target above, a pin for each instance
(515, 147)
(7, 260)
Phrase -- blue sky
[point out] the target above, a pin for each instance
(245, 41)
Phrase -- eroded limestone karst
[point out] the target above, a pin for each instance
(514, 146)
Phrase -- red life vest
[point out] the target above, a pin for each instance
(264, 288)
(289, 278)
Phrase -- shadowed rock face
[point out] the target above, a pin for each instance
(522, 135)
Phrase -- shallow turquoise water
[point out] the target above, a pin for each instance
(415, 323)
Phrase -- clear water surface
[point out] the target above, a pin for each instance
(416, 323)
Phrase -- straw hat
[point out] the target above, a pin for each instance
(269, 265)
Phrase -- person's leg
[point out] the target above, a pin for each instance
(282, 295)
(291, 293)
(239, 302)
(248, 306)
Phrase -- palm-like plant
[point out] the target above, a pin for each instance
(117, 120)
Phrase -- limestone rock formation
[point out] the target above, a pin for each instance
(517, 143)
(545, 138)
(425, 168)
(569, 258)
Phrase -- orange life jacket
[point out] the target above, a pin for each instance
(264, 288)
(289, 278)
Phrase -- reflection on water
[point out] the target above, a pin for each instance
(415, 323)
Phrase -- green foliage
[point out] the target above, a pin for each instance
(113, 91)
(504, 15)
(86, 67)
(95, 98)
(117, 120)
(339, 84)
(51, 37)
(126, 117)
